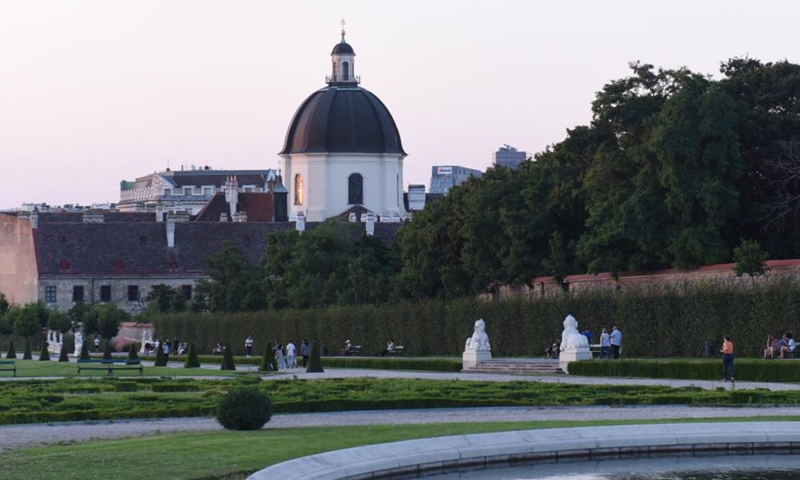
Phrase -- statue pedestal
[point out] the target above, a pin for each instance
(573, 356)
(471, 359)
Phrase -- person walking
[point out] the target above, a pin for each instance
(305, 351)
(727, 358)
(291, 351)
(605, 344)
(616, 342)
(248, 344)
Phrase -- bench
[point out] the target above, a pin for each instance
(8, 366)
(352, 351)
(110, 365)
(397, 350)
(595, 349)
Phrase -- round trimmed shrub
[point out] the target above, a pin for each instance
(244, 409)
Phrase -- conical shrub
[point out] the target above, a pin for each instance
(11, 352)
(27, 355)
(132, 353)
(107, 351)
(161, 359)
(63, 356)
(227, 358)
(44, 355)
(191, 358)
(315, 361)
(268, 361)
(84, 355)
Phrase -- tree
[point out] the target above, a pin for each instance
(26, 323)
(268, 361)
(107, 351)
(109, 317)
(59, 321)
(164, 299)
(63, 356)
(44, 354)
(235, 282)
(750, 259)
(133, 355)
(191, 358)
(227, 359)
(315, 359)
(161, 359)
(11, 353)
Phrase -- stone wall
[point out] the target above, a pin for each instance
(18, 273)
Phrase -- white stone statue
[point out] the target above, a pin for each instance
(571, 338)
(479, 341)
(147, 338)
(78, 343)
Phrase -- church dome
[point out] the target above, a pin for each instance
(343, 48)
(343, 118)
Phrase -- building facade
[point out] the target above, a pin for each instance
(443, 178)
(509, 157)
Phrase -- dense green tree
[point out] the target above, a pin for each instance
(750, 259)
(235, 282)
(109, 317)
(26, 323)
(59, 321)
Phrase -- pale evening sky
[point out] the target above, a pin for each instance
(96, 91)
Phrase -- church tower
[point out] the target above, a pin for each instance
(343, 149)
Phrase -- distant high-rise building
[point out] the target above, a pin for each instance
(509, 157)
(443, 178)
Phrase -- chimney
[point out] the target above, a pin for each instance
(172, 219)
(240, 217)
(301, 222)
(159, 212)
(280, 202)
(93, 216)
(232, 194)
(416, 197)
(35, 219)
(370, 224)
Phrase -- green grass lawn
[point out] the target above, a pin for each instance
(234, 455)
(36, 368)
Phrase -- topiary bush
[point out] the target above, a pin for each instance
(161, 359)
(132, 353)
(63, 356)
(44, 355)
(244, 409)
(27, 355)
(11, 352)
(191, 358)
(84, 355)
(227, 359)
(107, 351)
(315, 361)
(268, 361)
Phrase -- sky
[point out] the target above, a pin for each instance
(93, 92)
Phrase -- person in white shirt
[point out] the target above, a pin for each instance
(605, 344)
(616, 342)
(789, 347)
(291, 350)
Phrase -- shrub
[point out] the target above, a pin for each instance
(107, 351)
(44, 355)
(315, 361)
(268, 361)
(244, 409)
(227, 359)
(161, 359)
(132, 353)
(191, 358)
(11, 352)
(27, 355)
(63, 356)
(84, 355)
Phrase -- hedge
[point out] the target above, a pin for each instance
(656, 321)
(748, 369)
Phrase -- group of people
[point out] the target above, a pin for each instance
(782, 347)
(610, 343)
(287, 355)
(166, 347)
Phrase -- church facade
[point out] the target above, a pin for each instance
(343, 150)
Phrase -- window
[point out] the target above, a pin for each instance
(105, 293)
(208, 191)
(187, 191)
(50, 294)
(346, 72)
(298, 189)
(133, 293)
(355, 189)
(187, 291)
(77, 293)
(167, 192)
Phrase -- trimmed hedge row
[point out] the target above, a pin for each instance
(748, 369)
(656, 321)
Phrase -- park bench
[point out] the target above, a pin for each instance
(8, 366)
(110, 365)
(353, 351)
(595, 349)
(396, 351)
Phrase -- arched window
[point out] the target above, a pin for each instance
(298, 189)
(346, 72)
(335, 71)
(355, 189)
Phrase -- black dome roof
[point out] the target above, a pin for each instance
(343, 48)
(347, 119)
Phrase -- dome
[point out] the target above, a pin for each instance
(343, 48)
(343, 119)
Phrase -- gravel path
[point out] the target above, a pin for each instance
(19, 436)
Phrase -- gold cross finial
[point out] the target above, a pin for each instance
(343, 32)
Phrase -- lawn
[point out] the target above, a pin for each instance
(36, 368)
(234, 455)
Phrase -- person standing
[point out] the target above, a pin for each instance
(165, 349)
(96, 343)
(605, 344)
(305, 351)
(248, 344)
(588, 334)
(291, 351)
(727, 358)
(616, 341)
(279, 356)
